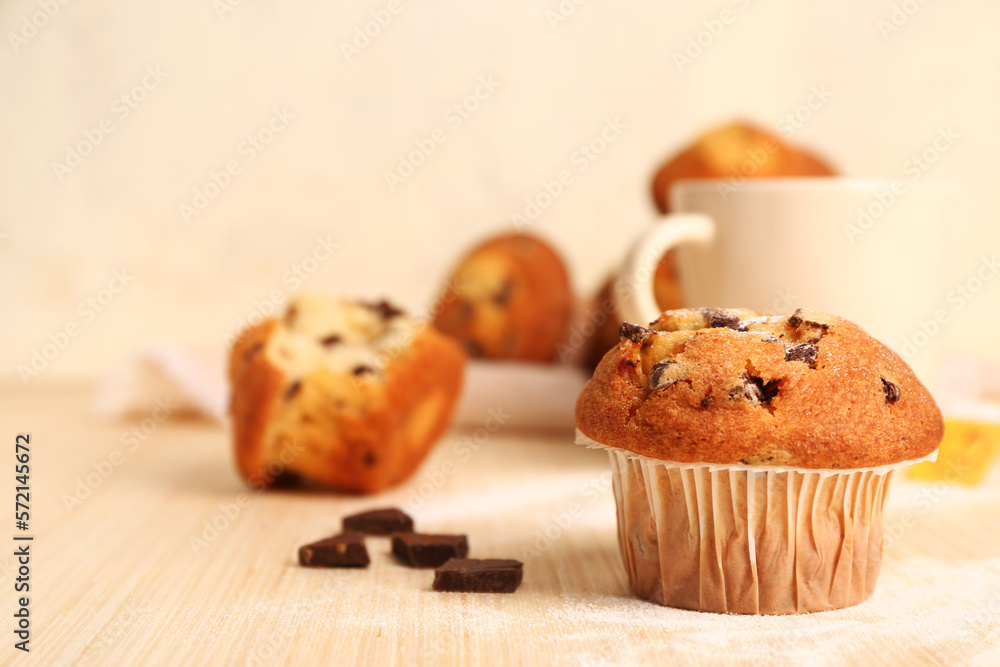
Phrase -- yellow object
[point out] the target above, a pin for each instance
(967, 451)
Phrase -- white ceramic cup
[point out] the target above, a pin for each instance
(867, 250)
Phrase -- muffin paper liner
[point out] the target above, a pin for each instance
(748, 539)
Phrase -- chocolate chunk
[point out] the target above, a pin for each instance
(379, 522)
(331, 340)
(804, 352)
(420, 550)
(758, 391)
(707, 401)
(471, 575)
(663, 374)
(363, 369)
(385, 309)
(633, 332)
(813, 317)
(254, 349)
(474, 349)
(501, 297)
(891, 390)
(344, 550)
(292, 390)
(369, 459)
(718, 318)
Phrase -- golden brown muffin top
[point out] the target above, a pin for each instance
(733, 387)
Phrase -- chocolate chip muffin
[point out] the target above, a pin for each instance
(509, 298)
(347, 394)
(752, 456)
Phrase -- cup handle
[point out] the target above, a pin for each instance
(634, 293)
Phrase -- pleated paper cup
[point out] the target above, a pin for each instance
(748, 539)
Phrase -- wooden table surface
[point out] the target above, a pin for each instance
(127, 567)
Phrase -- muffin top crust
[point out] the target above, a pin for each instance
(733, 387)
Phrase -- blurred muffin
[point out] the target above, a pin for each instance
(345, 394)
(736, 150)
(751, 456)
(509, 298)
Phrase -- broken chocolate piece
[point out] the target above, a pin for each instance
(471, 575)
(420, 550)
(344, 550)
(330, 341)
(664, 374)
(804, 352)
(891, 390)
(633, 332)
(379, 522)
(718, 318)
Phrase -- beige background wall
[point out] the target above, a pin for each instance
(219, 76)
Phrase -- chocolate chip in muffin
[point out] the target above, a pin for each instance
(385, 309)
(254, 349)
(891, 390)
(804, 352)
(290, 315)
(363, 369)
(718, 318)
(330, 341)
(292, 390)
(745, 325)
(502, 296)
(813, 317)
(664, 374)
(633, 332)
(757, 391)
(369, 459)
